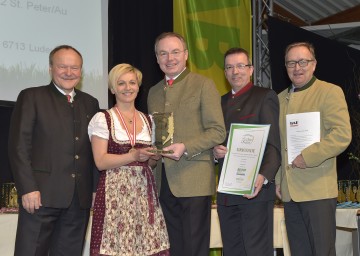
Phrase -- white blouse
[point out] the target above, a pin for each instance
(98, 126)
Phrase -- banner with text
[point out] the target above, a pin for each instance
(210, 29)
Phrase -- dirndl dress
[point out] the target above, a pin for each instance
(127, 217)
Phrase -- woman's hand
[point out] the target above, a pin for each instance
(142, 154)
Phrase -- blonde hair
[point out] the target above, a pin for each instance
(120, 70)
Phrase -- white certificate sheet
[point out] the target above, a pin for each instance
(302, 129)
(246, 146)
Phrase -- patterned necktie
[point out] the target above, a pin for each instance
(68, 97)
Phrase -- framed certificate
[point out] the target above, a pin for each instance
(246, 145)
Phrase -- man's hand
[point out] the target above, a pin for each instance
(31, 201)
(278, 191)
(299, 162)
(177, 148)
(258, 185)
(219, 151)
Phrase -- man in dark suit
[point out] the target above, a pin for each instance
(51, 160)
(187, 176)
(247, 221)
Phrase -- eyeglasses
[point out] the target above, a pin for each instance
(238, 66)
(302, 63)
(175, 53)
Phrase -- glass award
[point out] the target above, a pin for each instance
(162, 132)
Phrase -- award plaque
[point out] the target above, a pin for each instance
(9, 196)
(162, 132)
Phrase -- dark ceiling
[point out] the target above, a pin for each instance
(337, 19)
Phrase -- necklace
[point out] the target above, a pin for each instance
(132, 137)
(130, 121)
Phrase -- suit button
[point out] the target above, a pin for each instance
(77, 157)
(73, 175)
(76, 138)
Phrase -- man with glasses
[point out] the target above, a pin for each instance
(307, 183)
(51, 160)
(187, 175)
(247, 221)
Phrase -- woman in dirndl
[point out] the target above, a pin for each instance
(127, 217)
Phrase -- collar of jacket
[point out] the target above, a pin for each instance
(59, 94)
(242, 90)
(180, 77)
(310, 83)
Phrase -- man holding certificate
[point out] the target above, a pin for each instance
(246, 220)
(314, 129)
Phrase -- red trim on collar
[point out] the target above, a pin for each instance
(242, 90)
